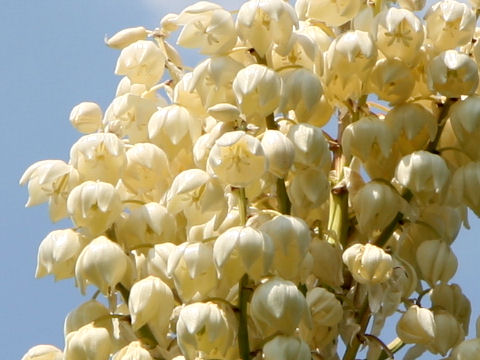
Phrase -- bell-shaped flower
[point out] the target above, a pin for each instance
(157, 260)
(91, 311)
(452, 74)
(142, 61)
(94, 205)
(148, 224)
(257, 89)
(416, 326)
(243, 250)
(278, 306)
(205, 328)
(423, 173)
(367, 136)
(86, 117)
(199, 196)
(375, 205)
(348, 62)
(58, 253)
(436, 261)
(99, 156)
(134, 350)
(102, 263)
(311, 148)
(193, 270)
(332, 13)
(412, 126)
(43, 352)
(327, 263)
(464, 186)
(237, 159)
(368, 264)
(326, 310)
(302, 52)
(52, 181)
(150, 301)
(88, 343)
(466, 350)
(450, 24)
(266, 23)
(286, 348)
(392, 80)
(291, 238)
(399, 34)
(208, 27)
(308, 188)
(451, 298)
(125, 37)
(465, 121)
(448, 333)
(147, 172)
(279, 151)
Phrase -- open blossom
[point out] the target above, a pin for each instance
(368, 263)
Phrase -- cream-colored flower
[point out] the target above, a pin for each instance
(91, 311)
(99, 156)
(452, 74)
(369, 264)
(58, 253)
(311, 148)
(327, 263)
(94, 205)
(88, 343)
(416, 326)
(449, 24)
(103, 264)
(451, 298)
(156, 261)
(279, 151)
(86, 117)
(464, 186)
(208, 27)
(333, 13)
(43, 352)
(325, 308)
(266, 23)
(448, 333)
(466, 350)
(52, 181)
(257, 89)
(133, 351)
(308, 188)
(278, 306)
(465, 121)
(237, 159)
(243, 250)
(125, 37)
(142, 61)
(286, 348)
(436, 261)
(205, 328)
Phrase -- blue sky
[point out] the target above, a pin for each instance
(53, 57)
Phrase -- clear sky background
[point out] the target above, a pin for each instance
(52, 58)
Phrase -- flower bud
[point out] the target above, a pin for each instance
(151, 300)
(94, 205)
(125, 37)
(449, 24)
(58, 253)
(448, 333)
(134, 350)
(86, 117)
(89, 312)
(279, 151)
(88, 343)
(399, 34)
(103, 264)
(416, 326)
(207, 328)
(243, 250)
(465, 121)
(436, 261)
(266, 23)
(99, 156)
(423, 173)
(311, 148)
(291, 239)
(278, 306)
(142, 61)
(368, 263)
(257, 90)
(286, 348)
(452, 74)
(43, 352)
(52, 181)
(366, 136)
(237, 159)
(451, 299)
(325, 308)
(193, 270)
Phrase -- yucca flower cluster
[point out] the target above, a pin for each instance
(217, 214)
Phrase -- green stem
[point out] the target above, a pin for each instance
(364, 317)
(242, 203)
(337, 228)
(243, 343)
(284, 204)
